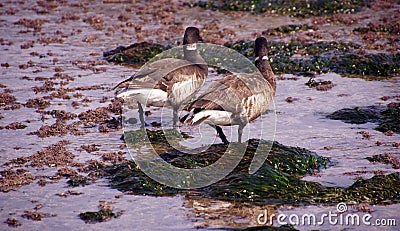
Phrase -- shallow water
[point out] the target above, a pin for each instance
(301, 123)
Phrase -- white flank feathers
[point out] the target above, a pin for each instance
(213, 116)
(182, 91)
(155, 97)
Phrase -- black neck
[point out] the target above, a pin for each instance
(263, 66)
(194, 57)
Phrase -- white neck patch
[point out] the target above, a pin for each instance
(191, 47)
(263, 58)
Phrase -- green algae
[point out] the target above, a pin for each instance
(387, 117)
(78, 181)
(323, 57)
(281, 55)
(286, 7)
(298, 58)
(154, 136)
(311, 83)
(135, 54)
(277, 181)
(386, 29)
(287, 29)
(99, 216)
(292, 48)
(369, 64)
(379, 189)
(281, 162)
(290, 160)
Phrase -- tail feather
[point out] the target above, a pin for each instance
(188, 118)
(122, 83)
(190, 121)
(183, 119)
(140, 74)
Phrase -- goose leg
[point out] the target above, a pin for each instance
(240, 132)
(220, 133)
(175, 117)
(141, 116)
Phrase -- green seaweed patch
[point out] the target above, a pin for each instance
(286, 29)
(286, 7)
(136, 54)
(387, 117)
(391, 119)
(277, 181)
(289, 49)
(99, 216)
(319, 57)
(154, 136)
(316, 57)
(78, 181)
(323, 57)
(378, 189)
(380, 28)
(271, 181)
(369, 64)
(321, 85)
(128, 177)
(290, 160)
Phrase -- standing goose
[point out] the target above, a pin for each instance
(236, 99)
(170, 81)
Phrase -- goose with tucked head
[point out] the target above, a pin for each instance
(168, 82)
(236, 99)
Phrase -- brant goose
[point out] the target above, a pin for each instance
(168, 82)
(235, 99)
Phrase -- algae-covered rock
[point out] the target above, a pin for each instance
(286, 7)
(99, 216)
(287, 29)
(368, 64)
(380, 28)
(387, 117)
(358, 115)
(136, 54)
(319, 57)
(105, 213)
(378, 189)
(319, 85)
(155, 136)
(291, 48)
(78, 181)
(277, 181)
(322, 57)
